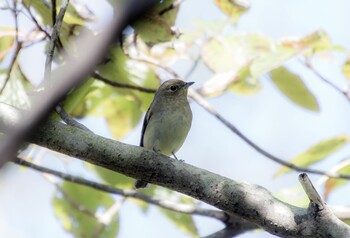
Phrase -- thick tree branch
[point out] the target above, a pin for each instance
(248, 201)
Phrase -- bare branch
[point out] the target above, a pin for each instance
(193, 68)
(36, 22)
(15, 15)
(309, 65)
(177, 207)
(54, 39)
(12, 63)
(17, 49)
(122, 85)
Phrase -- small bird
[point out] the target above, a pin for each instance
(167, 121)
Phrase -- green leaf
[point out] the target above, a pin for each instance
(72, 16)
(319, 41)
(122, 113)
(294, 88)
(184, 222)
(271, 60)
(239, 82)
(346, 68)
(293, 195)
(217, 84)
(233, 8)
(154, 27)
(245, 83)
(68, 208)
(43, 12)
(112, 178)
(317, 152)
(124, 70)
(6, 43)
(15, 91)
(332, 183)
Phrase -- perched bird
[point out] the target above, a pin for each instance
(167, 121)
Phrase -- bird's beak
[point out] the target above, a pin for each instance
(188, 84)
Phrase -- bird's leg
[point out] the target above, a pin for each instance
(181, 160)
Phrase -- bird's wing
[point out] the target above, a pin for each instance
(145, 123)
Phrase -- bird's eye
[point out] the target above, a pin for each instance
(173, 88)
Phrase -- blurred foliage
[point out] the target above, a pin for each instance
(233, 8)
(317, 152)
(157, 25)
(78, 208)
(237, 61)
(331, 183)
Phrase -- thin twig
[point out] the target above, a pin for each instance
(183, 208)
(13, 61)
(15, 14)
(17, 49)
(69, 120)
(157, 64)
(36, 22)
(122, 85)
(54, 38)
(309, 65)
(74, 203)
(194, 66)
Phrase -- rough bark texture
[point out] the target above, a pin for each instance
(251, 202)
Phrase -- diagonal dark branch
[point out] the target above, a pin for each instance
(36, 22)
(173, 206)
(12, 63)
(15, 15)
(17, 49)
(309, 65)
(122, 85)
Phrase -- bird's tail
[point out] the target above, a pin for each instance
(140, 184)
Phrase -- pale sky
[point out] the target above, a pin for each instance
(268, 118)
